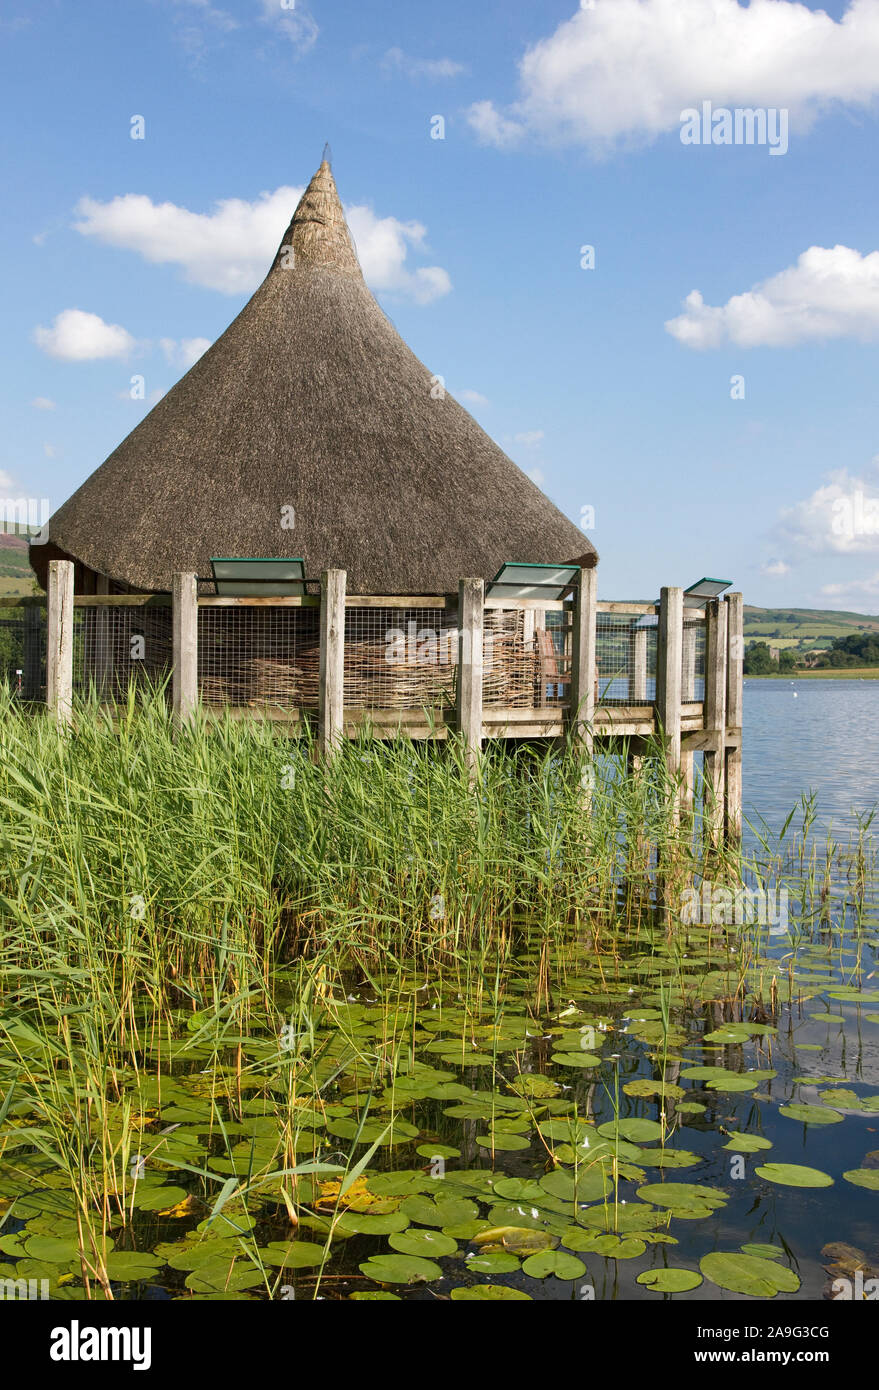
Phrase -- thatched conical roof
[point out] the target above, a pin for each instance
(311, 400)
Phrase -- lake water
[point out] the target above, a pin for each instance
(811, 735)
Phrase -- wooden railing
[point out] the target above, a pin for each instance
(647, 642)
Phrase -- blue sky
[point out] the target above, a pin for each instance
(124, 257)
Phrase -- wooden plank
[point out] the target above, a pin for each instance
(59, 655)
(331, 703)
(669, 658)
(715, 716)
(23, 600)
(184, 628)
(471, 603)
(634, 609)
(448, 601)
(249, 601)
(540, 605)
(122, 601)
(638, 665)
(581, 716)
(733, 789)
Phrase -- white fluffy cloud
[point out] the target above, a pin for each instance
(42, 403)
(7, 482)
(623, 70)
(76, 336)
(529, 438)
(840, 517)
(293, 20)
(472, 397)
(831, 292)
(395, 60)
(185, 352)
(775, 569)
(230, 248)
(858, 589)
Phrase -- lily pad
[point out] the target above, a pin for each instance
(554, 1262)
(400, 1269)
(794, 1175)
(811, 1114)
(421, 1242)
(489, 1293)
(747, 1274)
(670, 1280)
(863, 1177)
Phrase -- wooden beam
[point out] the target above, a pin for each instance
(715, 716)
(638, 665)
(471, 604)
(59, 655)
(734, 704)
(582, 709)
(184, 626)
(331, 701)
(669, 659)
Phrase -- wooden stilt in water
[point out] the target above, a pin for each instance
(669, 663)
(715, 719)
(184, 627)
(471, 602)
(331, 699)
(734, 716)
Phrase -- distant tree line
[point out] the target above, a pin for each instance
(759, 661)
(858, 649)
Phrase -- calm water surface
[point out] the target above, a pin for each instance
(811, 735)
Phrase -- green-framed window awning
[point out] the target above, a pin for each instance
(517, 579)
(699, 593)
(244, 578)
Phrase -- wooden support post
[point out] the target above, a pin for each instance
(581, 714)
(637, 664)
(59, 655)
(715, 717)
(734, 714)
(184, 617)
(471, 599)
(331, 704)
(669, 660)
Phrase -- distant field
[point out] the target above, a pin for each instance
(803, 629)
(853, 673)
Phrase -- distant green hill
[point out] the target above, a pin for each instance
(16, 575)
(803, 629)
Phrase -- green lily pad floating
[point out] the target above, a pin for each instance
(438, 1151)
(224, 1277)
(365, 1224)
(811, 1114)
(842, 1096)
(503, 1143)
(591, 1183)
(690, 1107)
(747, 1143)
(130, 1265)
(794, 1175)
(374, 1296)
(554, 1262)
(493, 1262)
(682, 1197)
(643, 1087)
(400, 1269)
(609, 1244)
(669, 1158)
(533, 1084)
(670, 1280)
(575, 1059)
(764, 1252)
(863, 1177)
(519, 1189)
(747, 1274)
(420, 1242)
(490, 1293)
(157, 1198)
(295, 1254)
(435, 1211)
(637, 1131)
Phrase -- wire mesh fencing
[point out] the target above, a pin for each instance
(401, 658)
(693, 661)
(115, 647)
(23, 651)
(262, 657)
(625, 655)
